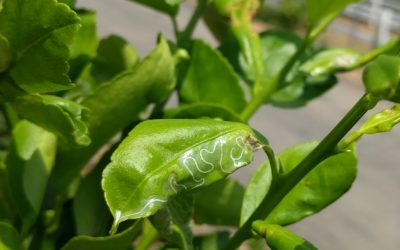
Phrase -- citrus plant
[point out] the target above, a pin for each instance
(91, 157)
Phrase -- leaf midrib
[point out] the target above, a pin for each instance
(166, 164)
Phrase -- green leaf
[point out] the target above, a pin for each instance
(29, 164)
(381, 77)
(169, 7)
(213, 241)
(116, 104)
(175, 156)
(331, 61)
(9, 238)
(279, 238)
(319, 10)
(84, 45)
(58, 115)
(302, 90)
(120, 241)
(5, 54)
(203, 110)
(91, 213)
(322, 186)
(39, 43)
(172, 221)
(114, 55)
(277, 49)
(204, 81)
(226, 197)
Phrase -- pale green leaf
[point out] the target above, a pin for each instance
(169, 7)
(9, 238)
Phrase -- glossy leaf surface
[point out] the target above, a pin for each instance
(162, 158)
(40, 48)
(116, 104)
(381, 77)
(61, 116)
(169, 7)
(205, 81)
(114, 55)
(226, 197)
(9, 238)
(322, 186)
(330, 61)
(120, 241)
(279, 238)
(318, 10)
(29, 164)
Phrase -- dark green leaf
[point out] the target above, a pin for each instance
(322, 9)
(84, 44)
(172, 221)
(330, 61)
(29, 164)
(116, 104)
(91, 213)
(39, 43)
(175, 156)
(226, 197)
(58, 115)
(322, 186)
(205, 81)
(382, 76)
(202, 110)
(302, 90)
(5, 54)
(120, 241)
(169, 7)
(9, 238)
(114, 55)
(280, 238)
(213, 241)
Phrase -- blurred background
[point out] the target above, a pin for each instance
(368, 216)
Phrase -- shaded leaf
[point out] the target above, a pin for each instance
(381, 77)
(29, 164)
(9, 238)
(172, 221)
(116, 104)
(91, 213)
(205, 82)
(114, 55)
(5, 53)
(58, 115)
(330, 61)
(202, 110)
(226, 197)
(120, 241)
(322, 186)
(84, 45)
(302, 90)
(40, 47)
(213, 241)
(175, 156)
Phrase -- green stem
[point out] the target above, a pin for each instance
(270, 88)
(147, 238)
(187, 33)
(288, 182)
(272, 162)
